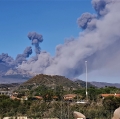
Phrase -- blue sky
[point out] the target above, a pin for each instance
(54, 19)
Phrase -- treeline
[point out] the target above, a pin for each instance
(50, 108)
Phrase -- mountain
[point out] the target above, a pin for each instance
(14, 75)
(28, 78)
(103, 84)
(50, 81)
(83, 83)
(9, 80)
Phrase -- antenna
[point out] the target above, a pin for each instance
(86, 80)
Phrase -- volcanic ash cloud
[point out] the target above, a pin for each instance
(36, 39)
(22, 57)
(97, 44)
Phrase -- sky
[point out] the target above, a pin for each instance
(54, 19)
(61, 24)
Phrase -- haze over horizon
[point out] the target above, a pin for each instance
(57, 37)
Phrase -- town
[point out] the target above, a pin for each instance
(37, 99)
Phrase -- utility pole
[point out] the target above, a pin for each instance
(68, 110)
(86, 80)
(61, 109)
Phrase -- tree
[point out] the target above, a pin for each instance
(110, 103)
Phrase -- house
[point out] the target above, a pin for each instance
(22, 98)
(55, 97)
(5, 93)
(38, 97)
(69, 97)
(106, 95)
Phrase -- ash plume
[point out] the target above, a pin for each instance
(6, 62)
(100, 6)
(100, 47)
(22, 57)
(27, 52)
(36, 39)
(87, 20)
(5, 58)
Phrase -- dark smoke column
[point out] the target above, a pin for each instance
(22, 57)
(36, 39)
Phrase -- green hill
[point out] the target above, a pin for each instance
(83, 83)
(50, 81)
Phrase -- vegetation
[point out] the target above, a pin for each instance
(53, 104)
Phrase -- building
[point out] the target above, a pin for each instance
(5, 93)
(106, 95)
(69, 97)
(38, 97)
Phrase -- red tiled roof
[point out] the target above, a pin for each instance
(38, 97)
(69, 96)
(106, 95)
(55, 97)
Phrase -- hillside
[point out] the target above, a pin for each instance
(83, 83)
(50, 81)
